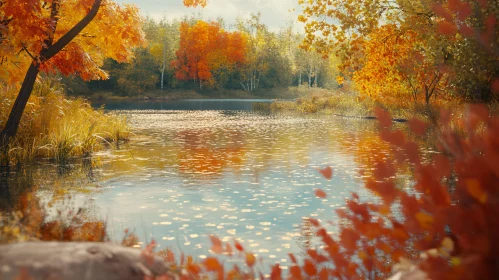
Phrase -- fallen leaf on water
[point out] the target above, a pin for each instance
(327, 172)
(320, 193)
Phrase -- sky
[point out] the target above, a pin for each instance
(274, 13)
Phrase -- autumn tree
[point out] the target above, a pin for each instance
(207, 52)
(62, 36)
(340, 26)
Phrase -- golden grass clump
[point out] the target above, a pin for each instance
(57, 127)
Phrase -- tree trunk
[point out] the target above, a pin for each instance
(163, 66)
(315, 78)
(10, 129)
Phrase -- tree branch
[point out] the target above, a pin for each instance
(49, 52)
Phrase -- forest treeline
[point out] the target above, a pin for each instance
(192, 54)
(409, 52)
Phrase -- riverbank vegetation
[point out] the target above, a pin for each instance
(57, 127)
(392, 54)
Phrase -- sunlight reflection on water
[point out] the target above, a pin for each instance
(244, 175)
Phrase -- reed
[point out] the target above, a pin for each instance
(57, 127)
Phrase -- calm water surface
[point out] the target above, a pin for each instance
(235, 174)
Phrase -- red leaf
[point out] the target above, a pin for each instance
(355, 196)
(495, 85)
(238, 246)
(445, 117)
(466, 30)
(323, 275)
(327, 172)
(216, 245)
(465, 11)
(318, 258)
(384, 170)
(314, 222)
(447, 28)
(295, 272)
(417, 126)
(309, 267)
(441, 11)
(276, 272)
(384, 118)
(292, 258)
(320, 193)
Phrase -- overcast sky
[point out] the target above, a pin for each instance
(275, 13)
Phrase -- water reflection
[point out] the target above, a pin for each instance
(241, 175)
(238, 175)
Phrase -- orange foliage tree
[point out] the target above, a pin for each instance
(207, 52)
(395, 66)
(63, 36)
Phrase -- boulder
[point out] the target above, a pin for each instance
(78, 261)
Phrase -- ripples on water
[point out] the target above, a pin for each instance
(238, 175)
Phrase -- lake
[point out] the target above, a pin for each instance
(237, 174)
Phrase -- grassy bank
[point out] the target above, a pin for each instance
(57, 127)
(347, 103)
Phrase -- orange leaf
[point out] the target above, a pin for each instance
(425, 220)
(250, 259)
(476, 190)
(212, 264)
(320, 193)
(327, 172)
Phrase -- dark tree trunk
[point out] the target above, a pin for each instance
(16, 113)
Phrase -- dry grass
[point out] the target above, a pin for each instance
(348, 103)
(54, 126)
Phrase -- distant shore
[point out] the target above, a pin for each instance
(274, 93)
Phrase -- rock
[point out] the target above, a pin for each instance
(75, 260)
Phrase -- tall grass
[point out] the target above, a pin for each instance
(57, 127)
(349, 103)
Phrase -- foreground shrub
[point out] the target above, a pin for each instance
(54, 126)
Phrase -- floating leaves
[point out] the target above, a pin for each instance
(320, 193)
(327, 172)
